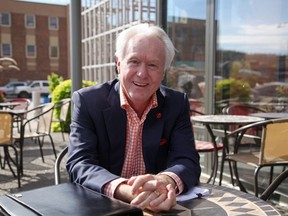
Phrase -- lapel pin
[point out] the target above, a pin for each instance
(158, 115)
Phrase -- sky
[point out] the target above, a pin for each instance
(59, 2)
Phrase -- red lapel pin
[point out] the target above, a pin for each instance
(158, 115)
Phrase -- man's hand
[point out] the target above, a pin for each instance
(153, 192)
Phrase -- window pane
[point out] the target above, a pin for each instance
(53, 22)
(186, 28)
(252, 49)
(30, 21)
(31, 51)
(6, 50)
(54, 52)
(5, 19)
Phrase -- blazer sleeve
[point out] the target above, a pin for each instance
(183, 159)
(83, 163)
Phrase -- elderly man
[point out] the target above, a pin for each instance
(131, 138)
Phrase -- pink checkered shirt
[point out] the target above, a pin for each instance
(134, 128)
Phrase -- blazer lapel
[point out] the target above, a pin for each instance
(115, 123)
(152, 134)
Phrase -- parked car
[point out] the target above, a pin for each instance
(9, 89)
(41, 86)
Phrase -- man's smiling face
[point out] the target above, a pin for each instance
(142, 69)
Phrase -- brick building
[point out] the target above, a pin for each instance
(36, 36)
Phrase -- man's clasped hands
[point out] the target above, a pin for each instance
(153, 192)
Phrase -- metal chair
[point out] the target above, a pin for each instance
(274, 185)
(42, 117)
(64, 106)
(209, 147)
(241, 109)
(23, 105)
(273, 149)
(57, 165)
(7, 140)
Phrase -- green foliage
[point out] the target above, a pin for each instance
(232, 89)
(63, 90)
(54, 80)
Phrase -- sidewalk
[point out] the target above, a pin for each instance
(36, 173)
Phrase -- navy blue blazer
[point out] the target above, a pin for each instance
(98, 135)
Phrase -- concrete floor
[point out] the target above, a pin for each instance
(36, 173)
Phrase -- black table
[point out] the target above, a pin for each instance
(71, 199)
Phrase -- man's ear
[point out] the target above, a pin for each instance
(117, 66)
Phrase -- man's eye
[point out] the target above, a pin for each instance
(153, 65)
(134, 62)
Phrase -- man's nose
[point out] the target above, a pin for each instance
(142, 70)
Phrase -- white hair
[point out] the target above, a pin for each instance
(150, 30)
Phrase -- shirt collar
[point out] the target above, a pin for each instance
(125, 104)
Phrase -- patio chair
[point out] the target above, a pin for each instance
(64, 106)
(241, 109)
(57, 166)
(40, 116)
(273, 149)
(274, 185)
(6, 141)
(23, 105)
(208, 147)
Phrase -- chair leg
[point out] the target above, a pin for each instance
(7, 158)
(40, 143)
(17, 167)
(272, 187)
(62, 129)
(2, 165)
(214, 167)
(242, 188)
(16, 163)
(53, 146)
(271, 174)
(256, 190)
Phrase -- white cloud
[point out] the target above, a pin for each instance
(258, 39)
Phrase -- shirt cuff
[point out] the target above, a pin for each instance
(109, 188)
(178, 181)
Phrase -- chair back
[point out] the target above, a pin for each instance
(6, 133)
(45, 119)
(65, 104)
(57, 165)
(24, 103)
(275, 142)
(241, 109)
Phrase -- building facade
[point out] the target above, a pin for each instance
(35, 35)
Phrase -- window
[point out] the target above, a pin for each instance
(45, 84)
(6, 50)
(35, 85)
(30, 51)
(5, 19)
(30, 21)
(53, 23)
(54, 52)
(251, 52)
